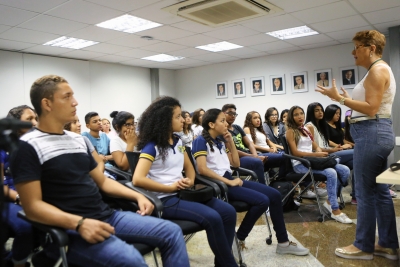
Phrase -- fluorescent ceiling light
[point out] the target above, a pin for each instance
(128, 23)
(293, 33)
(70, 42)
(162, 58)
(221, 46)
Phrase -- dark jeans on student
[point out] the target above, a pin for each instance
(274, 160)
(259, 197)
(216, 216)
(374, 140)
(254, 164)
(129, 228)
(21, 231)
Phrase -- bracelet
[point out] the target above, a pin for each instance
(80, 222)
(341, 101)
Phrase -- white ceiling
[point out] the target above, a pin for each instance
(26, 24)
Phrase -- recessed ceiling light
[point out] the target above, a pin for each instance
(291, 33)
(128, 23)
(162, 58)
(70, 42)
(221, 46)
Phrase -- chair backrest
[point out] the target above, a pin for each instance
(133, 158)
(192, 160)
(288, 167)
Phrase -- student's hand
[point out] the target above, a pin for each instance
(347, 146)
(145, 206)
(95, 231)
(335, 149)
(320, 154)
(130, 136)
(236, 182)
(104, 158)
(273, 149)
(184, 183)
(228, 137)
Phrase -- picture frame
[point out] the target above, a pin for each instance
(257, 86)
(238, 88)
(323, 78)
(221, 90)
(277, 83)
(299, 82)
(348, 77)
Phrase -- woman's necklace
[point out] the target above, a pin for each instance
(374, 63)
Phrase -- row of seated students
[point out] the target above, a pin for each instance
(58, 177)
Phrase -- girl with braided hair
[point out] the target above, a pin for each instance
(159, 169)
(214, 152)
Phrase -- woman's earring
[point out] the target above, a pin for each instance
(370, 54)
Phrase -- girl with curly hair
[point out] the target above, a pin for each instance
(215, 151)
(159, 170)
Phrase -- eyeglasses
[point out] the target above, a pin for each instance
(232, 114)
(361, 45)
(129, 125)
(274, 116)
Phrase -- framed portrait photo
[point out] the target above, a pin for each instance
(221, 90)
(299, 82)
(238, 89)
(348, 76)
(323, 78)
(277, 83)
(257, 86)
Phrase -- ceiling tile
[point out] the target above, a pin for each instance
(28, 36)
(13, 16)
(254, 40)
(290, 5)
(347, 34)
(83, 54)
(165, 33)
(326, 44)
(368, 6)
(320, 38)
(106, 48)
(273, 24)
(84, 12)
(45, 23)
(132, 40)
(3, 28)
(111, 59)
(193, 26)
(285, 50)
(164, 47)
(191, 62)
(94, 33)
(339, 24)
(124, 5)
(13, 45)
(139, 62)
(196, 40)
(212, 57)
(155, 13)
(271, 46)
(47, 50)
(136, 53)
(188, 52)
(239, 52)
(258, 54)
(231, 32)
(383, 16)
(327, 12)
(33, 5)
(384, 27)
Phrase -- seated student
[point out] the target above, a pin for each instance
(249, 158)
(61, 187)
(99, 140)
(106, 128)
(273, 127)
(186, 135)
(124, 124)
(301, 144)
(75, 126)
(23, 238)
(196, 122)
(283, 117)
(159, 170)
(332, 116)
(348, 138)
(214, 155)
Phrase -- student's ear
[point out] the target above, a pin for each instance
(87, 125)
(211, 124)
(46, 104)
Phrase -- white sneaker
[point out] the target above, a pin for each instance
(328, 207)
(322, 192)
(342, 218)
(309, 194)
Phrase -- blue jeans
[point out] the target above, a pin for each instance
(216, 216)
(374, 140)
(130, 228)
(255, 165)
(346, 158)
(259, 197)
(274, 160)
(21, 230)
(332, 185)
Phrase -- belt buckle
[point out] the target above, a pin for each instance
(351, 121)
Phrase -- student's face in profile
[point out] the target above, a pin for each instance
(94, 124)
(76, 125)
(322, 76)
(349, 74)
(257, 85)
(318, 113)
(298, 116)
(177, 120)
(336, 117)
(284, 117)
(201, 116)
(221, 88)
(63, 105)
(299, 80)
(220, 126)
(256, 120)
(30, 116)
(238, 86)
(277, 83)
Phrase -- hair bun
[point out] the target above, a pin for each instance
(113, 114)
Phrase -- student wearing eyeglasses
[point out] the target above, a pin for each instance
(124, 124)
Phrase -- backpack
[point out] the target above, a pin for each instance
(284, 188)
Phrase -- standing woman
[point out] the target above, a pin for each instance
(373, 136)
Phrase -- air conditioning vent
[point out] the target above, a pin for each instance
(220, 12)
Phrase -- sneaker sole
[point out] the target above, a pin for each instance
(342, 222)
(351, 257)
(387, 256)
(294, 253)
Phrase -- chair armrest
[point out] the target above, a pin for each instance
(302, 160)
(158, 205)
(222, 186)
(122, 175)
(246, 171)
(58, 235)
(206, 181)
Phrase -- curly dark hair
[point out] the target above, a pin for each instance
(321, 125)
(211, 115)
(155, 124)
(248, 123)
(268, 114)
(16, 113)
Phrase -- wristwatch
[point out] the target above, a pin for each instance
(342, 100)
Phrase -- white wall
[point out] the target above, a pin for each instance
(196, 87)
(167, 83)
(100, 87)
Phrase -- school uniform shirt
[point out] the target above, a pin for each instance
(218, 160)
(168, 171)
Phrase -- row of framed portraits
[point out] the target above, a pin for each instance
(298, 83)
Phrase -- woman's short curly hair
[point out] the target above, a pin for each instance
(155, 124)
(371, 37)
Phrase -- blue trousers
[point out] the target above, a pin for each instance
(216, 216)
(130, 227)
(374, 140)
(254, 164)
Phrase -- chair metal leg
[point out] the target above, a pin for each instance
(63, 256)
(188, 237)
(268, 240)
(241, 263)
(155, 258)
